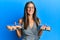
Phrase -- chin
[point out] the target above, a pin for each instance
(31, 13)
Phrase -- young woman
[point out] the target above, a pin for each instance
(30, 24)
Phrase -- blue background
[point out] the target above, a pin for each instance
(47, 10)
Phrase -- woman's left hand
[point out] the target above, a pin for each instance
(48, 28)
(44, 27)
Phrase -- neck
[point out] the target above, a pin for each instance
(30, 17)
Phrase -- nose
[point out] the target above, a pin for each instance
(30, 8)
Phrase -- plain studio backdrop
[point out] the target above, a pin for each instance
(47, 10)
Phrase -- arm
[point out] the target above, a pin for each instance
(11, 28)
(19, 32)
(40, 29)
(40, 32)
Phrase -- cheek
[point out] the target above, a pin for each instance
(32, 10)
(28, 10)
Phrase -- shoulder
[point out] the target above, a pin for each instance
(20, 21)
(38, 21)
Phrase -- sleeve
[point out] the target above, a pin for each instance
(22, 26)
(39, 26)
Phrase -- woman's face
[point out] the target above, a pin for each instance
(30, 9)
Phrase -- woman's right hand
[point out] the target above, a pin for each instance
(14, 27)
(18, 27)
(9, 27)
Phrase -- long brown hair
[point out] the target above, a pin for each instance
(25, 17)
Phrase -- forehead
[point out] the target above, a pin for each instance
(30, 5)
